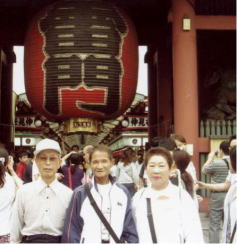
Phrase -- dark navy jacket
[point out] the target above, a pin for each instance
(82, 225)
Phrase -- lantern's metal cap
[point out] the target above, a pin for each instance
(47, 144)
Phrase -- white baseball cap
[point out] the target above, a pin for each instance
(47, 144)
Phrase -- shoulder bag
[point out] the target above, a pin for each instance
(100, 214)
(150, 220)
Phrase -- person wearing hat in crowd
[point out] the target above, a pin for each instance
(40, 206)
(7, 196)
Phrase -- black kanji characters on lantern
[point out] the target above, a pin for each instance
(83, 45)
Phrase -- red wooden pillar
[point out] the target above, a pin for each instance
(185, 79)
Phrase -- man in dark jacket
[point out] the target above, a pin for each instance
(82, 223)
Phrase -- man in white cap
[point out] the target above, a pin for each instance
(40, 206)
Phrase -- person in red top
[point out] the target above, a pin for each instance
(21, 166)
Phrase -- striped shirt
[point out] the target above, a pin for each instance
(217, 169)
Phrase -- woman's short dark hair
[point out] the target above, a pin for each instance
(159, 151)
(233, 158)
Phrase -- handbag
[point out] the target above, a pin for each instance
(100, 214)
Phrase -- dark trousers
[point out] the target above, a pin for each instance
(41, 238)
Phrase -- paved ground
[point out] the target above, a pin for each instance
(205, 224)
(204, 209)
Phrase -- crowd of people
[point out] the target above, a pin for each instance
(88, 196)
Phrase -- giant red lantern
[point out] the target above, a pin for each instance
(81, 60)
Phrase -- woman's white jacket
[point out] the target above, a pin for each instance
(175, 216)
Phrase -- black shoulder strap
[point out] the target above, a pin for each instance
(233, 233)
(150, 220)
(226, 161)
(100, 215)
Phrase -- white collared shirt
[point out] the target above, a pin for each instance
(104, 191)
(7, 196)
(40, 209)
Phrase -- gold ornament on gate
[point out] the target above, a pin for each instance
(82, 125)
